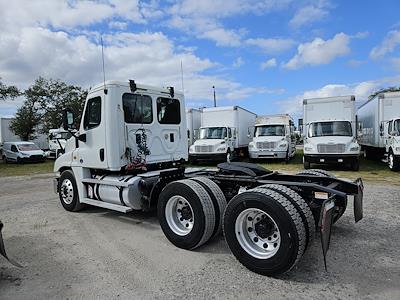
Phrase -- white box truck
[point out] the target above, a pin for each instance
(330, 131)
(223, 134)
(273, 137)
(126, 157)
(379, 127)
(193, 122)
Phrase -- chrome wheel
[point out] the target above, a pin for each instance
(257, 233)
(179, 215)
(67, 191)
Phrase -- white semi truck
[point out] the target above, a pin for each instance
(128, 155)
(193, 121)
(57, 140)
(379, 127)
(223, 134)
(330, 131)
(273, 137)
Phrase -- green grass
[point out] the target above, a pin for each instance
(12, 169)
(373, 171)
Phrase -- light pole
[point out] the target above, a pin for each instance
(215, 100)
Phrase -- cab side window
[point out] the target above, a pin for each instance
(93, 113)
(390, 127)
(14, 148)
(168, 111)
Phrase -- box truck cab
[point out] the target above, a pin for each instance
(223, 134)
(378, 122)
(273, 137)
(330, 135)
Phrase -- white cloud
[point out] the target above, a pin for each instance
(118, 25)
(361, 90)
(320, 51)
(269, 64)
(271, 45)
(307, 15)
(243, 93)
(238, 62)
(388, 45)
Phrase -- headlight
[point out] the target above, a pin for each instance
(251, 146)
(308, 148)
(354, 148)
(191, 149)
(397, 149)
(221, 149)
(283, 145)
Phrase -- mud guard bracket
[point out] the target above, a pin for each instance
(326, 220)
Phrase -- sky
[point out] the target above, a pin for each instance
(263, 55)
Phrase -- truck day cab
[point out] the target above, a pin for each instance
(273, 138)
(223, 133)
(128, 155)
(330, 131)
(379, 125)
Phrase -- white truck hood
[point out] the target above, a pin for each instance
(209, 142)
(268, 139)
(32, 152)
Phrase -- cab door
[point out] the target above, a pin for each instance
(91, 150)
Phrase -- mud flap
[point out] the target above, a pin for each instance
(358, 201)
(327, 210)
(3, 250)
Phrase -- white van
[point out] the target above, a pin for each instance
(21, 152)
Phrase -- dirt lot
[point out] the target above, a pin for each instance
(99, 253)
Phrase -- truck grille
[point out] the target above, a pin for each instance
(331, 148)
(266, 145)
(200, 149)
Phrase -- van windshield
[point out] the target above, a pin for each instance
(269, 130)
(27, 147)
(213, 133)
(332, 128)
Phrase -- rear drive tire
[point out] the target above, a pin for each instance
(306, 164)
(322, 172)
(301, 206)
(186, 214)
(68, 192)
(264, 231)
(218, 199)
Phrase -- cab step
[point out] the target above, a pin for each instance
(102, 204)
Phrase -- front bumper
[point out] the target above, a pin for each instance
(31, 159)
(208, 156)
(330, 158)
(267, 154)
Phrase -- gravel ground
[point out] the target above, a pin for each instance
(103, 254)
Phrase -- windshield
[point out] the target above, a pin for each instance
(213, 133)
(27, 147)
(270, 130)
(397, 126)
(333, 128)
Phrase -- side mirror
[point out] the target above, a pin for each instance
(68, 119)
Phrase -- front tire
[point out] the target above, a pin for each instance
(393, 162)
(306, 164)
(264, 231)
(68, 192)
(355, 165)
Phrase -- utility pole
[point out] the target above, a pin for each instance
(215, 100)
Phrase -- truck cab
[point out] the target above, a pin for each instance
(330, 133)
(57, 141)
(273, 137)
(392, 143)
(213, 142)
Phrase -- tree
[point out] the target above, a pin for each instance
(8, 92)
(52, 97)
(26, 121)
